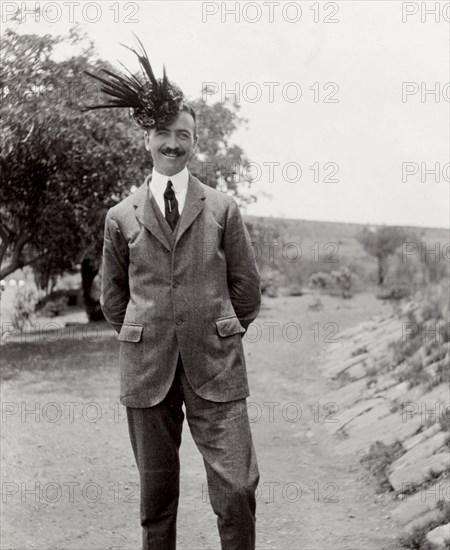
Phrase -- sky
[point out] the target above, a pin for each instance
(342, 124)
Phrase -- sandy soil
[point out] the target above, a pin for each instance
(68, 474)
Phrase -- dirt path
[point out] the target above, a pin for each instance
(68, 475)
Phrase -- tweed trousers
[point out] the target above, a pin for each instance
(221, 432)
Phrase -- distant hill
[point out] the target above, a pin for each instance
(322, 243)
(308, 231)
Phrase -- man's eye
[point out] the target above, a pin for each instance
(161, 132)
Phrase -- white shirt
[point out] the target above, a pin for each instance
(158, 184)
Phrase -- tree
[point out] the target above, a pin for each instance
(381, 243)
(343, 280)
(218, 163)
(62, 169)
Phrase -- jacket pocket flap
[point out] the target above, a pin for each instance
(130, 333)
(229, 326)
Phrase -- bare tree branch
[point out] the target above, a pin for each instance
(22, 263)
(16, 260)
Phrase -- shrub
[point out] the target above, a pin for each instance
(379, 458)
(53, 308)
(316, 304)
(321, 281)
(269, 282)
(341, 280)
(417, 540)
(444, 419)
(24, 306)
(294, 290)
(394, 293)
(434, 304)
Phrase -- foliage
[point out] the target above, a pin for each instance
(435, 303)
(444, 419)
(62, 169)
(264, 237)
(24, 305)
(316, 304)
(381, 243)
(219, 163)
(341, 280)
(269, 282)
(321, 280)
(379, 458)
(416, 539)
(53, 308)
(405, 348)
(294, 290)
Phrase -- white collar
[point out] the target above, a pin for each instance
(179, 181)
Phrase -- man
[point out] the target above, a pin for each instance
(180, 286)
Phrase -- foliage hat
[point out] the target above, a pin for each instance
(151, 101)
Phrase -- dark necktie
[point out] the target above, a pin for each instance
(171, 206)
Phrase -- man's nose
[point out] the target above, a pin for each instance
(172, 141)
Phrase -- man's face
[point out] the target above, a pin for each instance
(172, 146)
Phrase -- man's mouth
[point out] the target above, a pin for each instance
(172, 154)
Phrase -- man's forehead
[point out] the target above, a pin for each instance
(184, 121)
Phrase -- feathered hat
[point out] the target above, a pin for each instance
(151, 102)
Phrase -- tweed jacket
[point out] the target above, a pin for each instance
(194, 292)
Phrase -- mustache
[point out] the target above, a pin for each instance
(169, 151)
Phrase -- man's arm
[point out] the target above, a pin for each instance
(115, 290)
(242, 271)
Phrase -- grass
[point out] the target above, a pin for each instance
(444, 419)
(50, 351)
(343, 378)
(417, 540)
(379, 458)
(359, 351)
(403, 350)
(431, 479)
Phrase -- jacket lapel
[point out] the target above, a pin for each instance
(146, 212)
(195, 201)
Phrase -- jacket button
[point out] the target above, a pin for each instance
(178, 321)
(174, 284)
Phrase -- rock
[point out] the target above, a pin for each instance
(369, 419)
(421, 436)
(423, 450)
(423, 521)
(387, 429)
(396, 391)
(421, 503)
(384, 383)
(337, 368)
(346, 416)
(439, 536)
(439, 394)
(418, 472)
(428, 406)
(348, 395)
(413, 394)
(357, 372)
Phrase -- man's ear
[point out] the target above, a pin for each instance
(147, 140)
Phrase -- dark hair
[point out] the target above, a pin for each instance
(185, 107)
(188, 109)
